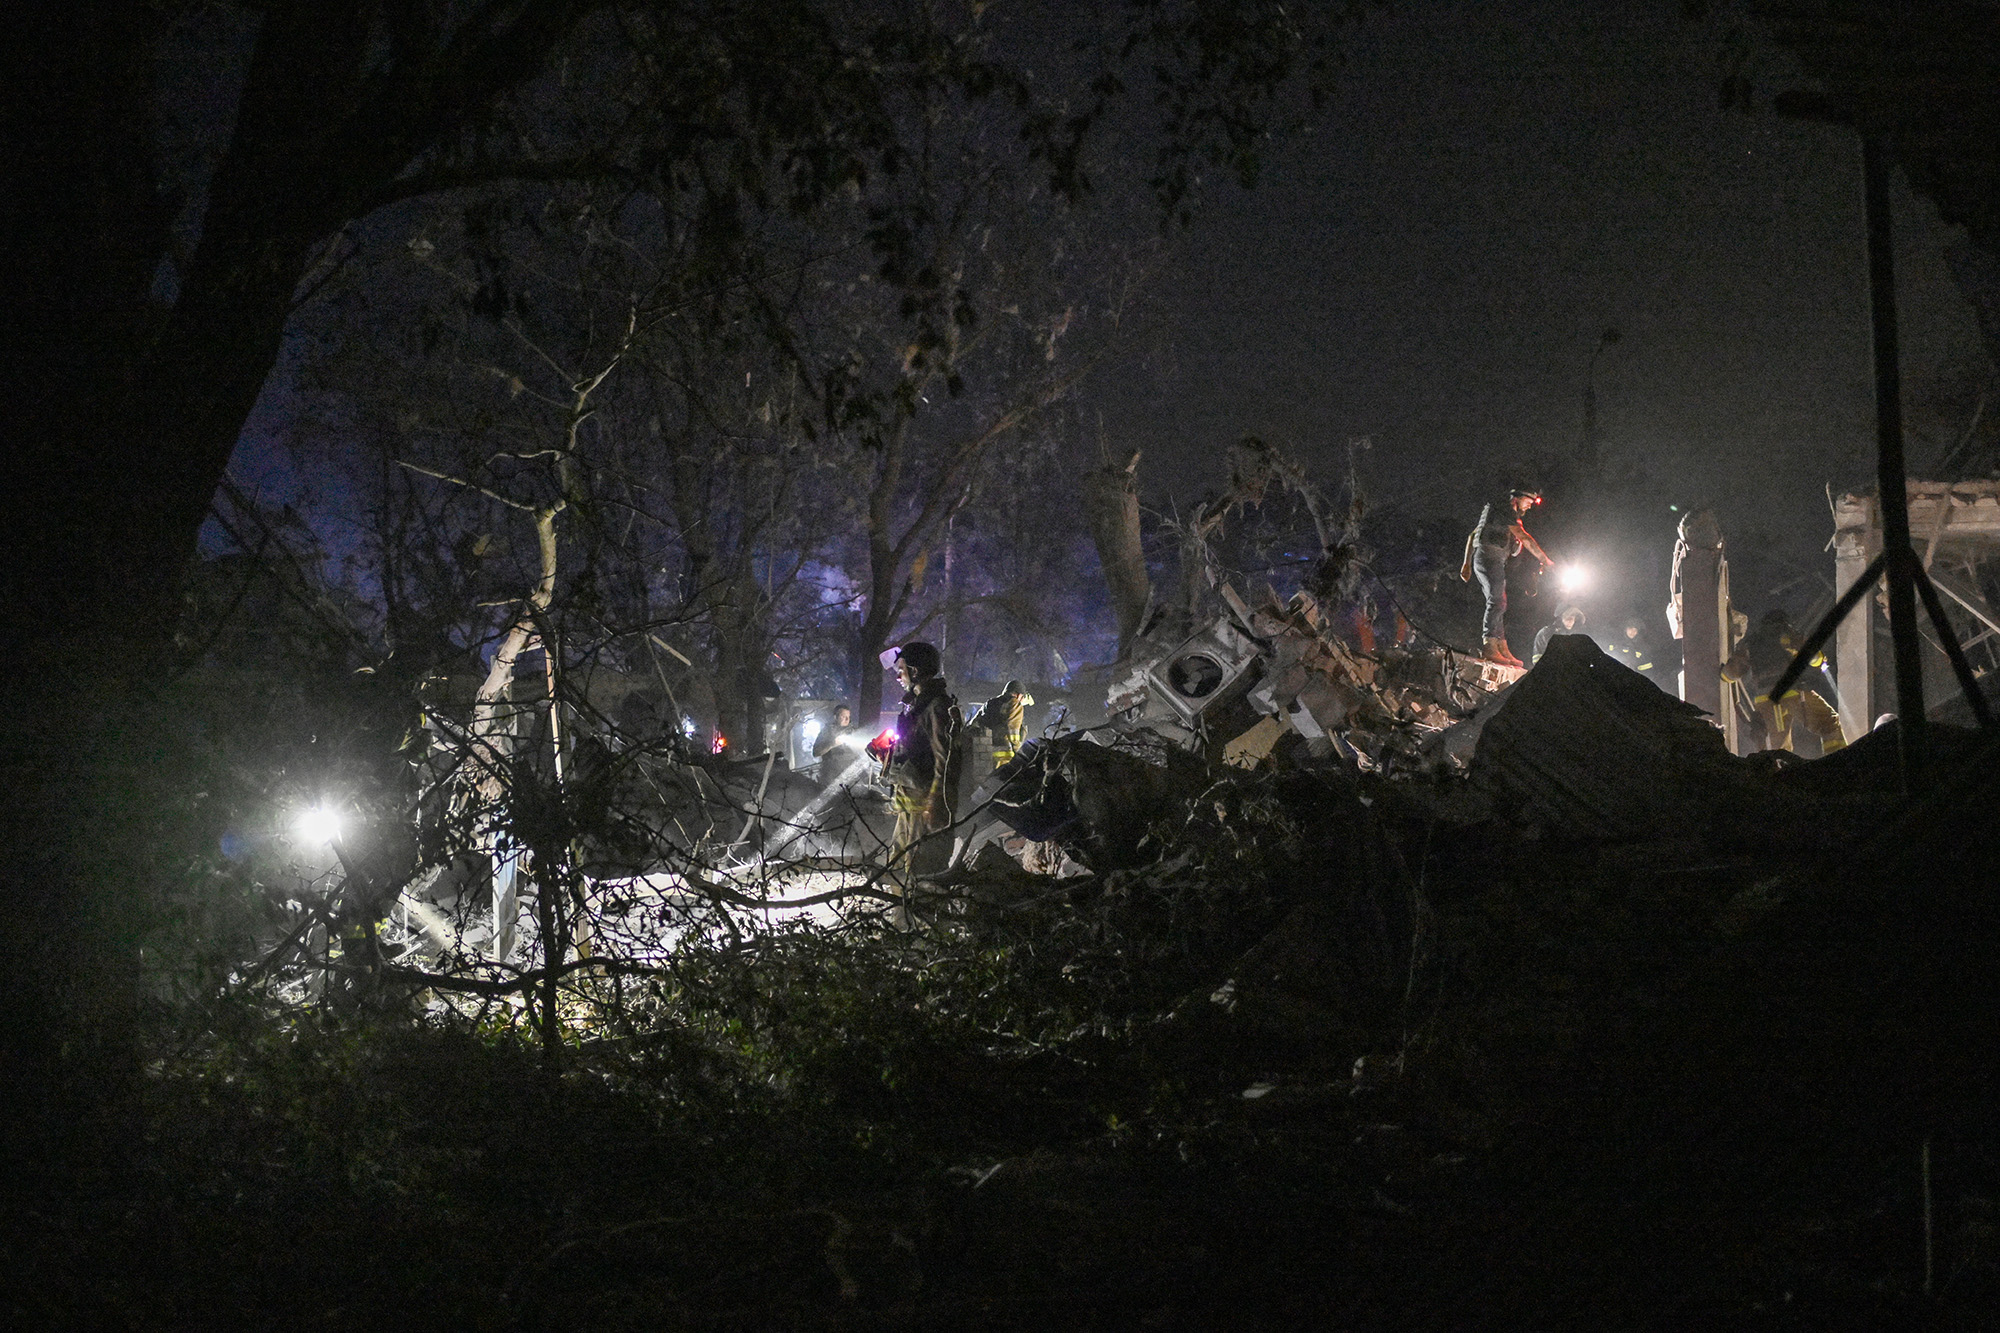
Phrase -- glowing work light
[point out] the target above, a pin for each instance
(319, 825)
(1573, 579)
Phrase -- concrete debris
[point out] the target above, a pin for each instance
(1258, 686)
(1580, 747)
(1089, 796)
(1237, 687)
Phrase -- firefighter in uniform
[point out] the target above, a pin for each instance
(1005, 716)
(920, 759)
(1629, 647)
(1758, 662)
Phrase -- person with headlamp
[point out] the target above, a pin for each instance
(837, 737)
(1500, 536)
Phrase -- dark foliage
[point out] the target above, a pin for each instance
(1313, 1058)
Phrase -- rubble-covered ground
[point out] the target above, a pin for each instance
(1608, 1030)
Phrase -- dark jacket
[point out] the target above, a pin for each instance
(1006, 716)
(831, 735)
(926, 739)
(1762, 657)
(1633, 653)
(1547, 632)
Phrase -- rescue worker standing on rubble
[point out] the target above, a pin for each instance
(1500, 537)
(1757, 663)
(920, 758)
(1005, 716)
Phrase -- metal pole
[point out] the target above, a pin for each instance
(1889, 469)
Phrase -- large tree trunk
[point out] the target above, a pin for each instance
(878, 619)
(121, 417)
(1111, 502)
(127, 384)
(874, 639)
(130, 377)
(740, 642)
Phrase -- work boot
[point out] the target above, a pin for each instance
(1498, 650)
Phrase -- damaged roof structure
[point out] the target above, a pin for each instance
(1955, 528)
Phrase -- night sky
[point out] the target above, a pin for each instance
(1493, 185)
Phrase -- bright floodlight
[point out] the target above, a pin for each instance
(1574, 578)
(318, 824)
(809, 732)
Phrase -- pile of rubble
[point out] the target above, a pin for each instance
(1257, 688)
(1579, 748)
(1239, 686)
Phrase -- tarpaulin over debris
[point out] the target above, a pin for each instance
(1584, 747)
